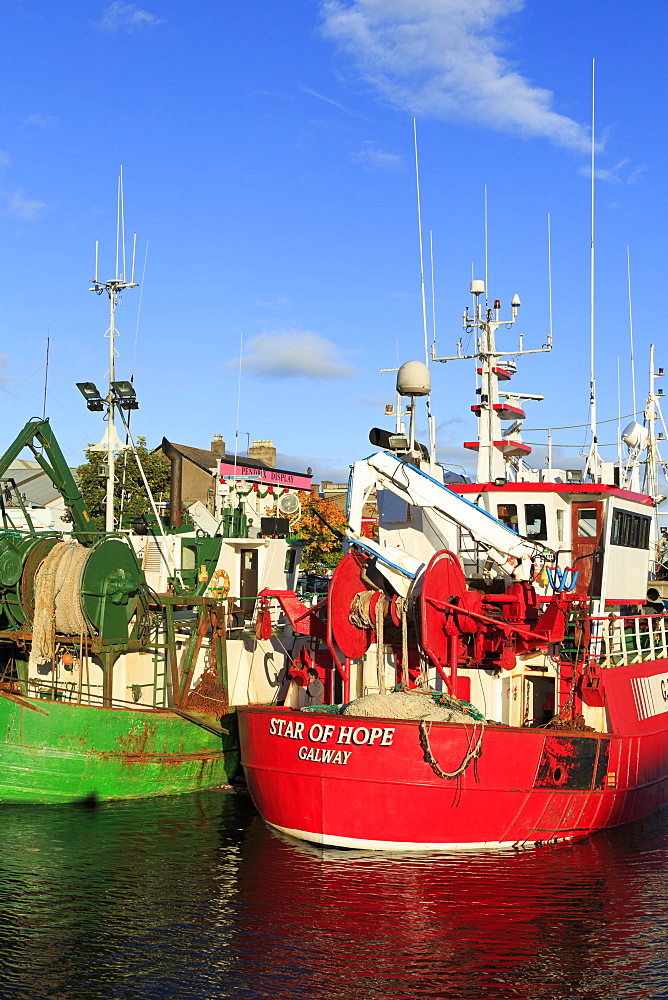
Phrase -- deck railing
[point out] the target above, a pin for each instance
(621, 640)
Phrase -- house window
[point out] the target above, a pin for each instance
(587, 522)
(560, 526)
(536, 521)
(507, 514)
(630, 530)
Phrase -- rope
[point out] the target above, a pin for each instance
(473, 751)
(360, 616)
(57, 599)
(380, 644)
(402, 607)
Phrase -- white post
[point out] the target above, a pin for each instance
(109, 524)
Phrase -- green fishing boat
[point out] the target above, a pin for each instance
(122, 657)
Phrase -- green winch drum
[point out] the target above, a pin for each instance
(20, 558)
(111, 584)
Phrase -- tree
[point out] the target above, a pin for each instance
(92, 479)
(323, 547)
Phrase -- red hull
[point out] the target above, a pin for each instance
(527, 786)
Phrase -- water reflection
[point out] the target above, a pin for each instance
(196, 897)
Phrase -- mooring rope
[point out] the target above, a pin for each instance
(473, 751)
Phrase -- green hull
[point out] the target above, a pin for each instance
(57, 752)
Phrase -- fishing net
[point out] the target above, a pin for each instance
(401, 705)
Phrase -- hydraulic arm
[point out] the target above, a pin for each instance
(52, 461)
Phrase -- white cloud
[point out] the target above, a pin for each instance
(293, 354)
(40, 121)
(376, 159)
(120, 16)
(622, 172)
(441, 58)
(321, 97)
(4, 159)
(23, 208)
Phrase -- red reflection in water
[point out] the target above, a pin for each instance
(551, 922)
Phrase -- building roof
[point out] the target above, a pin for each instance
(33, 482)
(208, 460)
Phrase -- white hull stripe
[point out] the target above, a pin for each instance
(650, 695)
(329, 840)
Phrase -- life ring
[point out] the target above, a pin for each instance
(220, 583)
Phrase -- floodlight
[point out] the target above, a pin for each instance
(90, 393)
(124, 394)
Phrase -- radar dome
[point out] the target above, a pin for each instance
(635, 435)
(413, 379)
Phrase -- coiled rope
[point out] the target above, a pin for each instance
(360, 616)
(57, 599)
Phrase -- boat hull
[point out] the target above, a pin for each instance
(343, 786)
(54, 752)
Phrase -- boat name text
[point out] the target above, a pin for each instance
(350, 735)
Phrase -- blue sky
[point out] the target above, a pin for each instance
(268, 160)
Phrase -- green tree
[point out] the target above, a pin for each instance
(92, 479)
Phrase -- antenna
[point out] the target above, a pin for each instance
(430, 418)
(134, 254)
(486, 248)
(236, 431)
(118, 220)
(419, 219)
(592, 458)
(122, 206)
(46, 369)
(141, 298)
(433, 291)
(549, 282)
(633, 361)
(619, 424)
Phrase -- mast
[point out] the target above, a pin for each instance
(114, 289)
(593, 460)
(651, 478)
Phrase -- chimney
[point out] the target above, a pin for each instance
(176, 482)
(263, 451)
(218, 445)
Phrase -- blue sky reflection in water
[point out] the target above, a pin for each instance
(196, 897)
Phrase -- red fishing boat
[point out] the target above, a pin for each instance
(495, 670)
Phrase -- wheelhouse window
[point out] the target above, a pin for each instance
(507, 514)
(630, 530)
(587, 522)
(560, 525)
(536, 521)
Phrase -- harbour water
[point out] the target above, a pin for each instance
(194, 897)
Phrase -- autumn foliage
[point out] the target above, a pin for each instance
(323, 547)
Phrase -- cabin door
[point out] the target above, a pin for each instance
(586, 548)
(248, 582)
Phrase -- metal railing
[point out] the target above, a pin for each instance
(622, 640)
